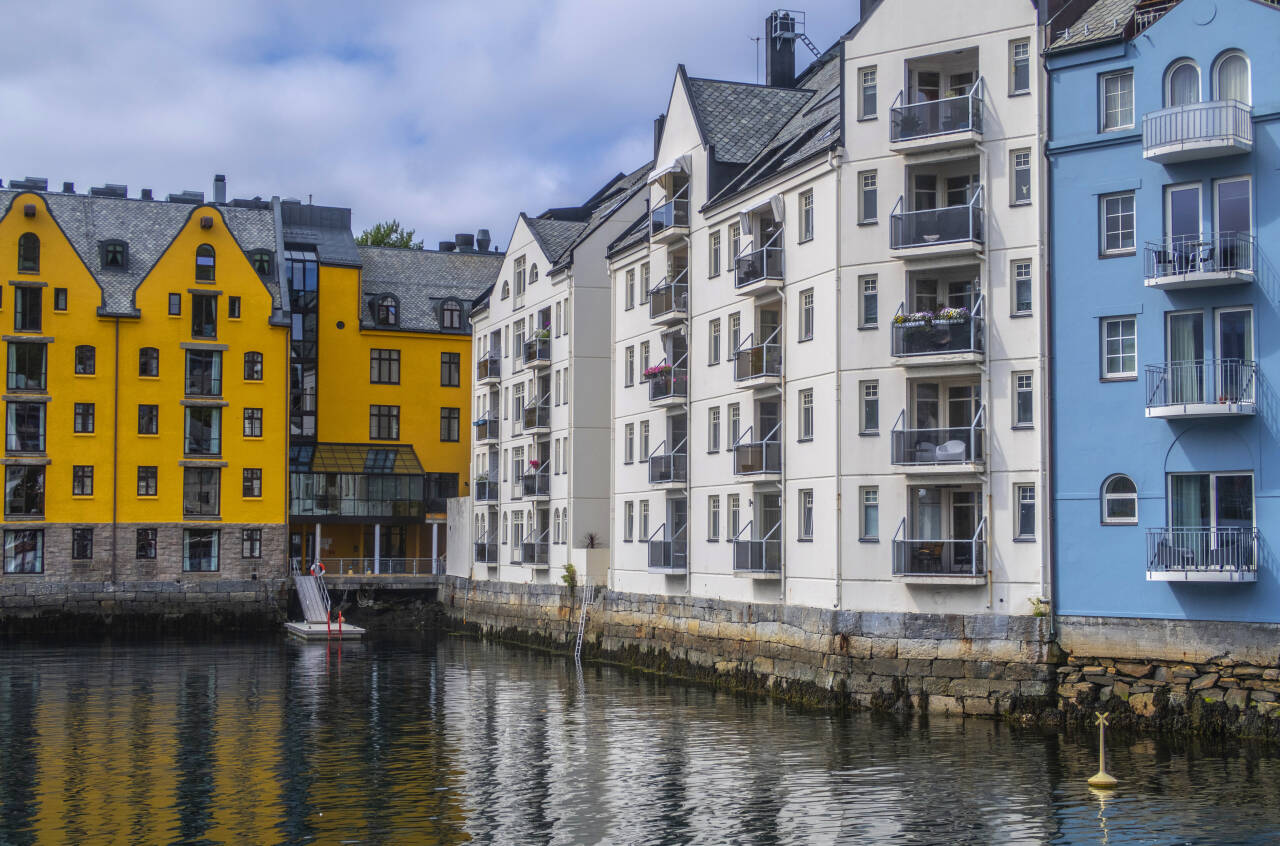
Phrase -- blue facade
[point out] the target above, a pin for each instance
(1165, 255)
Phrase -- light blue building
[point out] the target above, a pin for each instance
(1164, 169)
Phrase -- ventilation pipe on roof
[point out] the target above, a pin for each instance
(446, 246)
(146, 194)
(466, 242)
(483, 240)
(220, 188)
(659, 123)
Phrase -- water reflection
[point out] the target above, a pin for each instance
(451, 741)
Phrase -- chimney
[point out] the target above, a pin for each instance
(483, 240)
(780, 52)
(864, 8)
(658, 124)
(446, 246)
(220, 188)
(466, 242)
(146, 194)
(68, 187)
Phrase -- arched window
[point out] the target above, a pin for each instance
(564, 526)
(533, 274)
(253, 367)
(148, 361)
(204, 263)
(1182, 84)
(86, 360)
(29, 252)
(555, 526)
(506, 290)
(387, 312)
(451, 315)
(1119, 500)
(1231, 78)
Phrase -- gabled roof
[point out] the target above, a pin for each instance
(604, 203)
(554, 237)
(421, 279)
(1105, 20)
(739, 118)
(636, 233)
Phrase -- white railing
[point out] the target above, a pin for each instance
(1206, 550)
(383, 566)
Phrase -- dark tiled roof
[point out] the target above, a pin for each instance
(149, 227)
(555, 236)
(420, 279)
(607, 201)
(739, 118)
(636, 233)
(1103, 21)
(325, 228)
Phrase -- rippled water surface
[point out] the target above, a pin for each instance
(450, 740)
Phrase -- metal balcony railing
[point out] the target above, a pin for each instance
(487, 551)
(1208, 252)
(671, 214)
(947, 331)
(486, 490)
(668, 553)
(667, 382)
(932, 227)
(911, 121)
(383, 566)
(536, 482)
(669, 467)
(670, 298)
(487, 429)
(1221, 381)
(760, 264)
(928, 447)
(753, 361)
(1204, 550)
(537, 551)
(537, 350)
(537, 414)
(489, 366)
(1227, 121)
(755, 457)
(940, 557)
(758, 555)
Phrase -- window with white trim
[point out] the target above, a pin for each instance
(1119, 501)
(1120, 348)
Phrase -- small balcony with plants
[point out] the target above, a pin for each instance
(669, 468)
(947, 335)
(929, 451)
(955, 230)
(1203, 260)
(537, 349)
(535, 484)
(760, 459)
(487, 429)
(759, 365)
(758, 555)
(1208, 388)
(1197, 131)
(668, 550)
(670, 220)
(489, 368)
(669, 300)
(759, 272)
(668, 385)
(923, 122)
(536, 417)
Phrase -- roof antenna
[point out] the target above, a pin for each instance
(757, 40)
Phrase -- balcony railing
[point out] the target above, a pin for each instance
(487, 429)
(537, 350)
(948, 331)
(357, 497)
(668, 554)
(1197, 130)
(935, 227)
(765, 263)
(672, 214)
(912, 121)
(537, 415)
(487, 552)
(1212, 554)
(756, 361)
(1225, 382)
(1206, 253)
(751, 458)
(940, 557)
(667, 382)
(486, 490)
(939, 447)
(536, 552)
(383, 566)
(536, 482)
(669, 467)
(668, 299)
(489, 366)
(758, 555)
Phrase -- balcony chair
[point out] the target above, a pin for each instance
(950, 451)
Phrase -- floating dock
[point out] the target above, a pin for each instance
(313, 596)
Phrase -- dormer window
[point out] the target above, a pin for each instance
(261, 261)
(29, 253)
(451, 315)
(204, 263)
(115, 255)
(387, 311)
(506, 290)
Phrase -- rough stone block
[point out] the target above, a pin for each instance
(884, 648)
(1143, 704)
(1238, 698)
(982, 707)
(1034, 688)
(945, 705)
(1137, 671)
(887, 666)
(936, 685)
(986, 627)
(1204, 682)
(882, 625)
(933, 626)
(948, 669)
(919, 667)
(917, 648)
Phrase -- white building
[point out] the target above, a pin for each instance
(540, 484)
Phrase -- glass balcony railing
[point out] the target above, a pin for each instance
(1224, 553)
(487, 429)
(670, 215)
(667, 383)
(764, 264)
(486, 552)
(537, 351)
(912, 121)
(758, 361)
(535, 553)
(537, 483)
(948, 331)
(751, 458)
(758, 555)
(537, 416)
(486, 490)
(489, 366)
(667, 554)
(939, 447)
(936, 227)
(670, 299)
(668, 467)
(941, 556)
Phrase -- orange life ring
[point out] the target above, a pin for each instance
(317, 569)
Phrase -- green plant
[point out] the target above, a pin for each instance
(1039, 606)
(570, 577)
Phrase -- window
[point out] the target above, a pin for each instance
(204, 263)
(253, 367)
(806, 315)
(1025, 496)
(450, 424)
(251, 543)
(26, 367)
(629, 370)
(29, 253)
(1021, 273)
(24, 551)
(644, 356)
(644, 283)
(451, 315)
(148, 419)
(1116, 96)
(805, 525)
(506, 294)
(175, 304)
(115, 255)
(204, 316)
(86, 360)
(735, 423)
(1182, 84)
(450, 370)
(870, 305)
(867, 93)
(870, 417)
(806, 215)
(713, 342)
(1022, 400)
(83, 419)
(631, 290)
(1231, 78)
(735, 331)
(384, 367)
(629, 443)
(82, 480)
(867, 181)
(1120, 348)
(713, 429)
(253, 422)
(147, 480)
(559, 317)
(200, 550)
(731, 505)
(384, 422)
(1117, 223)
(261, 261)
(202, 431)
(644, 440)
(806, 415)
(1020, 184)
(869, 513)
(251, 482)
(233, 308)
(59, 299)
(713, 517)
(557, 396)
(628, 521)
(204, 373)
(386, 311)
(1119, 501)
(24, 426)
(149, 362)
(26, 308)
(644, 521)
(145, 544)
(200, 491)
(713, 254)
(23, 491)
(1020, 66)
(533, 274)
(81, 544)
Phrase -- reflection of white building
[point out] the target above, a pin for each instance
(539, 484)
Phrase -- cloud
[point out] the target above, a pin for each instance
(449, 116)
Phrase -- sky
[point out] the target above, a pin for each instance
(448, 116)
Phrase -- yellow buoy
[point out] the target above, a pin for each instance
(1102, 778)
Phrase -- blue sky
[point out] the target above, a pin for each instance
(449, 116)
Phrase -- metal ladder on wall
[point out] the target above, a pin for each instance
(588, 598)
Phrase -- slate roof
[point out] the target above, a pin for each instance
(420, 279)
(739, 118)
(327, 229)
(149, 227)
(605, 202)
(636, 233)
(1103, 21)
(555, 237)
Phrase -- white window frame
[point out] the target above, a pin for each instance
(713, 429)
(1104, 216)
(1017, 277)
(806, 315)
(628, 521)
(630, 301)
(1105, 355)
(805, 203)
(713, 342)
(868, 82)
(713, 517)
(629, 371)
(1217, 69)
(1014, 170)
(805, 413)
(1104, 109)
(868, 318)
(1020, 528)
(628, 443)
(868, 497)
(863, 188)
(1107, 498)
(1168, 80)
(868, 402)
(713, 254)
(733, 516)
(1014, 59)
(1016, 382)
(804, 525)
(734, 423)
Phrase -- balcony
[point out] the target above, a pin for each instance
(761, 459)
(760, 272)
(1197, 131)
(487, 430)
(537, 352)
(536, 484)
(947, 336)
(958, 449)
(489, 368)
(1207, 260)
(758, 365)
(357, 497)
(487, 553)
(668, 556)
(669, 301)
(669, 469)
(938, 233)
(946, 561)
(668, 386)
(936, 124)
(758, 558)
(536, 554)
(671, 219)
(1222, 554)
(1187, 390)
(485, 491)
(537, 418)
(380, 566)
